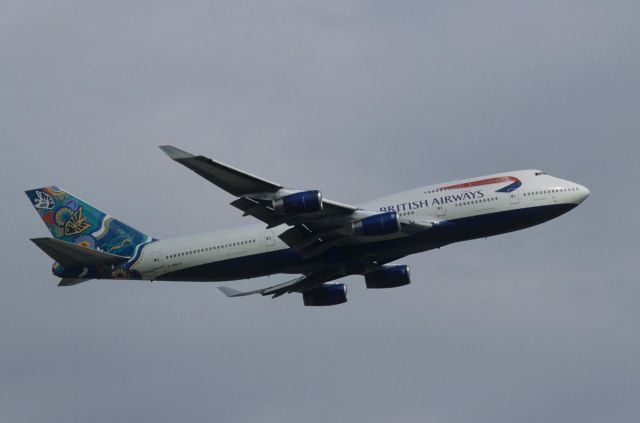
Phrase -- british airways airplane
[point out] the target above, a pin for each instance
(305, 234)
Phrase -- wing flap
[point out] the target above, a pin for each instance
(259, 210)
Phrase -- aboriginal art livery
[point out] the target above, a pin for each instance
(301, 233)
(73, 221)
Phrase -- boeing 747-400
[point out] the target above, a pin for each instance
(301, 233)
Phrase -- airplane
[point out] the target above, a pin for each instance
(301, 233)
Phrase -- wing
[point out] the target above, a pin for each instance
(301, 284)
(234, 181)
(312, 231)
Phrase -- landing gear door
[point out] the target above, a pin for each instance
(269, 240)
(157, 260)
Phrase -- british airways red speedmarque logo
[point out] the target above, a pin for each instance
(514, 183)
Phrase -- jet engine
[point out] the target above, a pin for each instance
(378, 224)
(326, 295)
(388, 277)
(299, 202)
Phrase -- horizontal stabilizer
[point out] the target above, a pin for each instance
(72, 255)
(71, 281)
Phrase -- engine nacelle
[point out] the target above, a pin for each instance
(388, 277)
(299, 202)
(326, 295)
(379, 224)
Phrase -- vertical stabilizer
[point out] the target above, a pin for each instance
(72, 220)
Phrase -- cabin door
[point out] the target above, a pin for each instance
(269, 239)
(514, 198)
(157, 260)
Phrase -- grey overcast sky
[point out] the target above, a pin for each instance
(358, 99)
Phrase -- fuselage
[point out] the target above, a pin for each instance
(455, 211)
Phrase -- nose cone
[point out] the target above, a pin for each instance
(582, 194)
(572, 192)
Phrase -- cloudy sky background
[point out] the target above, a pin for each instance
(358, 99)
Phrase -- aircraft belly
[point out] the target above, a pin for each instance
(461, 229)
(505, 221)
(243, 267)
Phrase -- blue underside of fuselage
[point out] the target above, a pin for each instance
(446, 232)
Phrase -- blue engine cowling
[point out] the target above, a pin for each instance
(388, 277)
(379, 224)
(299, 202)
(326, 295)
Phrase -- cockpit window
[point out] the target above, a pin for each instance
(538, 173)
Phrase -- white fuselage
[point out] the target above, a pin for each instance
(449, 202)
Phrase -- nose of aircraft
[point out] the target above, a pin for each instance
(583, 193)
(575, 193)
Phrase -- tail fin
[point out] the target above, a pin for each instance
(72, 220)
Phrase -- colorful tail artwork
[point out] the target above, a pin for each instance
(72, 220)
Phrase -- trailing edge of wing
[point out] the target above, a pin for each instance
(72, 255)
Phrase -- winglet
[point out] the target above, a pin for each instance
(175, 153)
